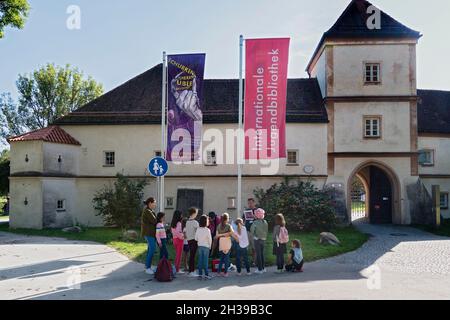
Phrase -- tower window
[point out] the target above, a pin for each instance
(372, 127)
(372, 73)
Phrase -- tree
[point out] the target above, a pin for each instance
(120, 205)
(4, 172)
(45, 95)
(13, 13)
(304, 206)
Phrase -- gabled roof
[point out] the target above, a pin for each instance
(138, 101)
(433, 111)
(50, 134)
(352, 24)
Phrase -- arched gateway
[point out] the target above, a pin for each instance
(373, 194)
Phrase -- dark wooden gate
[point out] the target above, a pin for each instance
(380, 197)
(187, 198)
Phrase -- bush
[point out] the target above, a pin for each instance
(4, 172)
(121, 205)
(303, 205)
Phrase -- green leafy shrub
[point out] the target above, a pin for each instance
(120, 205)
(304, 206)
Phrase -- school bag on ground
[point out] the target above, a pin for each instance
(283, 236)
(164, 271)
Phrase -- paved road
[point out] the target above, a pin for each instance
(396, 263)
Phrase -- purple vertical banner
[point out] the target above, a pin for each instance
(184, 113)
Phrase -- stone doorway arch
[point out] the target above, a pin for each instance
(377, 203)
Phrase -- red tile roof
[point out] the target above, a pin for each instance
(50, 134)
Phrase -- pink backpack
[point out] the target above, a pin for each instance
(283, 236)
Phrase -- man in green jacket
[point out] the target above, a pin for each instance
(148, 231)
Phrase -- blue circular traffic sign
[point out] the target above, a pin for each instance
(158, 167)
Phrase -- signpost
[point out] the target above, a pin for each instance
(158, 168)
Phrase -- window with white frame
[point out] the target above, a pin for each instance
(211, 158)
(109, 159)
(292, 157)
(444, 200)
(426, 157)
(372, 73)
(372, 127)
(61, 205)
(231, 203)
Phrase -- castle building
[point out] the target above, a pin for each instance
(359, 116)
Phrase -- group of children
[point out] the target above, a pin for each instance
(201, 238)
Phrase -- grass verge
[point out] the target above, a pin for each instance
(350, 238)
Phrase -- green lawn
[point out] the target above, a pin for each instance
(443, 230)
(350, 238)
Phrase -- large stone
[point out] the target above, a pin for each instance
(329, 238)
(75, 229)
(130, 235)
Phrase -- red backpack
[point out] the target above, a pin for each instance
(164, 271)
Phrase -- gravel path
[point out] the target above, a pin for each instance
(409, 264)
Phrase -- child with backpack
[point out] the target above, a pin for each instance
(280, 240)
(224, 233)
(295, 257)
(204, 241)
(259, 230)
(161, 236)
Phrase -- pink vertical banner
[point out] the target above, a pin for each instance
(266, 65)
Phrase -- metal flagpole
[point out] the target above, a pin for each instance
(163, 128)
(240, 135)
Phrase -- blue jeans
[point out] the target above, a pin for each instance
(151, 247)
(163, 249)
(224, 258)
(242, 253)
(203, 255)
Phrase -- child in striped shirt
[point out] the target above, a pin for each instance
(161, 236)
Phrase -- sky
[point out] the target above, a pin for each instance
(118, 39)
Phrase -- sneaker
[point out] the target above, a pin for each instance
(258, 272)
(264, 270)
(149, 271)
(239, 273)
(199, 277)
(180, 272)
(249, 273)
(207, 277)
(279, 271)
(225, 275)
(193, 274)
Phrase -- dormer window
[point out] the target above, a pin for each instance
(372, 73)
